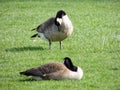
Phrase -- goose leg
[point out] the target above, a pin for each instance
(50, 44)
(60, 44)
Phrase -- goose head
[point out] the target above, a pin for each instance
(58, 18)
(68, 63)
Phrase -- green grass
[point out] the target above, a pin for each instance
(92, 46)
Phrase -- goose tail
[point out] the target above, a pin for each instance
(29, 72)
(33, 29)
(25, 73)
(35, 35)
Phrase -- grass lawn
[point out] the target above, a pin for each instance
(94, 44)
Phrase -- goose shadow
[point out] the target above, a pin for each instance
(33, 80)
(27, 80)
(25, 48)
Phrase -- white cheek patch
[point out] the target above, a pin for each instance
(59, 20)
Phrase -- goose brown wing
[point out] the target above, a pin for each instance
(31, 72)
(46, 25)
(51, 67)
(44, 69)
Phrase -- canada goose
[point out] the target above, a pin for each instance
(55, 29)
(56, 71)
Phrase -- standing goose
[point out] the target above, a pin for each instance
(55, 29)
(56, 71)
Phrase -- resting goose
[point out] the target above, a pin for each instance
(55, 29)
(56, 71)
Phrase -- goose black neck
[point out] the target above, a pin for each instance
(59, 14)
(68, 63)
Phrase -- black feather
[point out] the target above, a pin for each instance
(68, 63)
(35, 35)
(34, 29)
(31, 72)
